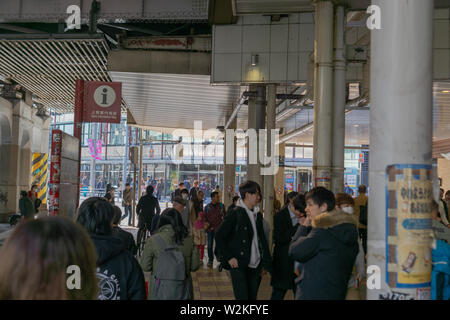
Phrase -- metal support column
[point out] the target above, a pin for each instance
(141, 154)
(256, 121)
(399, 242)
(337, 173)
(269, 180)
(323, 97)
(229, 167)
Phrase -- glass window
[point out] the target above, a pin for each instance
(289, 152)
(299, 153)
(308, 153)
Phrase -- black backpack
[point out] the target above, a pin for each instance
(363, 214)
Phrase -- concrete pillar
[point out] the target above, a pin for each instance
(269, 180)
(141, 157)
(21, 134)
(229, 167)
(337, 173)
(401, 134)
(256, 121)
(323, 97)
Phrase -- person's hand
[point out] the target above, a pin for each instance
(307, 222)
(301, 220)
(358, 281)
(233, 263)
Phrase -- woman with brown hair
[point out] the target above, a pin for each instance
(41, 258)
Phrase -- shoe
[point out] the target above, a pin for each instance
(210, 265)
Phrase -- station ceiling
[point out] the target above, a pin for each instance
(48, 65)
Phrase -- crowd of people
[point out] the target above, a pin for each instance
(319, 246)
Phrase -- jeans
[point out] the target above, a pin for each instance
(127, 213)
(210, 241)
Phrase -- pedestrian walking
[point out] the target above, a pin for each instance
(214, 213)
(126, 237)
(326, 244)
(127, 200)
(119, 274)
(199, 234)
(146, 209)
(173, 233)
(346, 203)
(241, 244)
(285, 225)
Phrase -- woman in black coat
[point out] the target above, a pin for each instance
(286, 223)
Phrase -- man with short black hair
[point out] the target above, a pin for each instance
(125, 236)
(242, 245)
(146, 209)
(214, 214)
(285, 225)
(127, 199)
(194, 190)
(326, 244)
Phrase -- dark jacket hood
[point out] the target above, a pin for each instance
(340, 224)
(107, 247)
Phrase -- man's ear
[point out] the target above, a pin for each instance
(323, 207)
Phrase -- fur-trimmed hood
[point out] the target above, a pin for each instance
(333, 218)
(341, 225)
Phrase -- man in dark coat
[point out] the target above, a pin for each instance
(146, 209)
(126, 237)
(26, 206)
(326, 244)
(285, 225)
(120, 275)
(242, 245)
(193, 191)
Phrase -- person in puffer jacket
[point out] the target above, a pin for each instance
(119, 274)
(326, 244)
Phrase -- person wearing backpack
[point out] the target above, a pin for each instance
(214, 213)
(170, 256)
(119, 275)
(242, 245)
(361, 204)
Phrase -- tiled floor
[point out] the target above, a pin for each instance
(210, 284)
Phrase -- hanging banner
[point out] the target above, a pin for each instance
(408, 226)
(55, 172)
(95, 151)
(102, 102)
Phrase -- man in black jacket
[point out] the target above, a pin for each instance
(285, 225)
(146, 209)
(326, 244)
(120, 275)
(126, 237)
(241, 242)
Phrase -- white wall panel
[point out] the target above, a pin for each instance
(228, 39)
(278, 38)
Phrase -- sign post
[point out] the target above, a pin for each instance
(95, 101)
